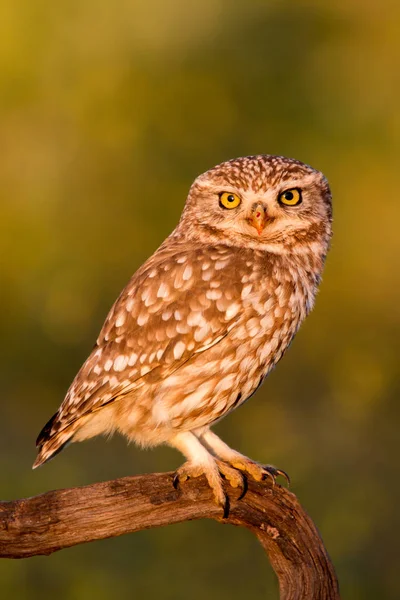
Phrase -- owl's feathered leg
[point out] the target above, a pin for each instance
(201, 462)
(238, 461)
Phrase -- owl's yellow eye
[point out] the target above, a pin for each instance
(229, 200)
(290, 197)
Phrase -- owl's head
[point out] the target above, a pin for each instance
(260, 201)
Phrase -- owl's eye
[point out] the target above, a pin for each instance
(229, 200)
(290, 197)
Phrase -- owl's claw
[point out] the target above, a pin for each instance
(273, 472)
(211, 471)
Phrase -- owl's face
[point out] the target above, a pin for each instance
(262, 200)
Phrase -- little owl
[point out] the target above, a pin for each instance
(206, 318)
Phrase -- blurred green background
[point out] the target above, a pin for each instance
(109, 110)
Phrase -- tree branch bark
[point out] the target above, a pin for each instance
(63, 518)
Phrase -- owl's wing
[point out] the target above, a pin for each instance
(178, 304)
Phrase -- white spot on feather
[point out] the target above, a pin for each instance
(142, 319)
(147, 296)
(201, 333)
(179, 349)
(120, 362)
(269, 304)
(213, 294)
(253, 326)
(187, 273)
(132, 359)
(232, 311)
(246, 290)
(220, 264)
(120, 320)
(267, 322)
(182, 328)
(163, 291)
(195, 318)
(265, 353)
(225, 384)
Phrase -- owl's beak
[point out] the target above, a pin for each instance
(258, 217)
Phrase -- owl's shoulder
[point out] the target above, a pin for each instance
(199, 261)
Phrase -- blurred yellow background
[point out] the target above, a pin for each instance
(109, 110)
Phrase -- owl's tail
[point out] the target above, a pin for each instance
(52, 440)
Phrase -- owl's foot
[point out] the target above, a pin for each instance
(256, 470)
(213, 476)
(202, 462)
(236, 460)
(190, 469)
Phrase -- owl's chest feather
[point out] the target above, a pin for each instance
(273, 310)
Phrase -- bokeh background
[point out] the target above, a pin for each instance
(109, 109)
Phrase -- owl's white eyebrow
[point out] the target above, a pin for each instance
(218, 189)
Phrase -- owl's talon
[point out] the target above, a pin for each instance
(271, 471)
(225, 508)
(244, 488)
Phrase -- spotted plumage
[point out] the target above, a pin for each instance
(203, 321)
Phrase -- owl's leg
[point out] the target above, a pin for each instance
(201, 462)
(258, 471)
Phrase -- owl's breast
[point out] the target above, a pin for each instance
(253, 313)
(273, 310)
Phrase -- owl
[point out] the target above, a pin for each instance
(204, 320)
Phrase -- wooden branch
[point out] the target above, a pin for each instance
(62, 518)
